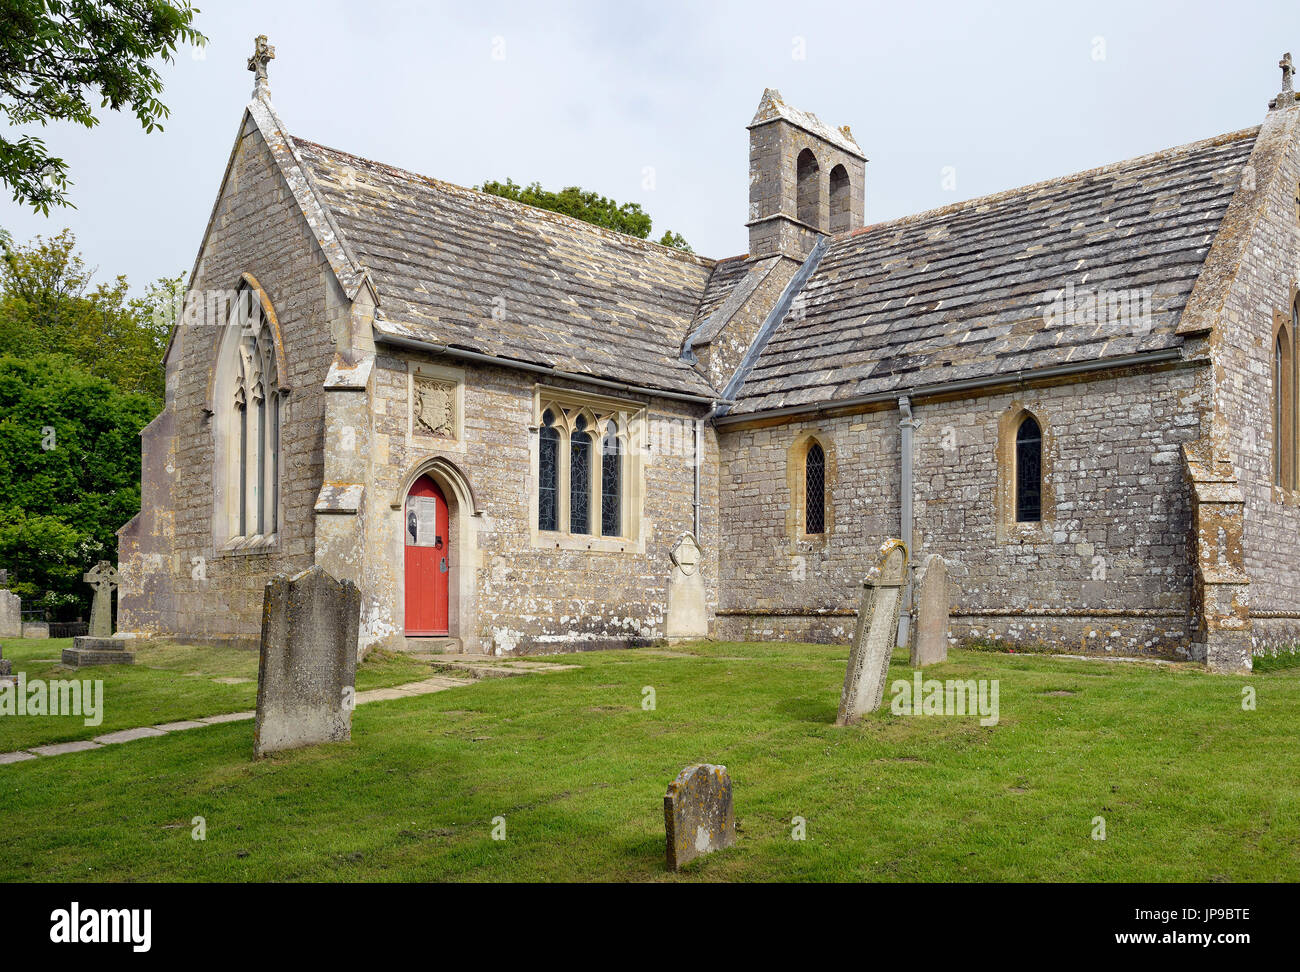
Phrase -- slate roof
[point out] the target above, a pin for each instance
(566, 294)
(726, 274)
(961, 292)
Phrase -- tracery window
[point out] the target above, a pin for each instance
(584, 443)
(611, 481)
(548, 480)
(247, 410)
(580, 477)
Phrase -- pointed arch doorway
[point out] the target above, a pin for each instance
(427, 559)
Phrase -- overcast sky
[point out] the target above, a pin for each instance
(603, 94)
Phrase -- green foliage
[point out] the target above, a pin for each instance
(69, 475)
(55, 55)
(48, 306)
(588, 206)
(676, 241)
(80, 375)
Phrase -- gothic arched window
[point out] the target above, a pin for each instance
(247, 405)
(808, 189)
(815, 490)
(611, 476)
(548, 468)
(1284, 431)
(1029, 471)
(580, 477)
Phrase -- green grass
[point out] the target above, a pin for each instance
(167, 683)
(1283, 658)
(1191, 786)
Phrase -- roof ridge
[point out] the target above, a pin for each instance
(563, 218)
(1003, 194)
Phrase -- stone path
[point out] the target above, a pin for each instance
(437, 683)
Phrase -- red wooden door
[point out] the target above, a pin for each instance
(428, 563)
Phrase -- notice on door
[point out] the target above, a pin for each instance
(422, 522)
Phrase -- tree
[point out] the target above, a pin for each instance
(56, 54)
(588, 206)
(69, 475)
(49, 306)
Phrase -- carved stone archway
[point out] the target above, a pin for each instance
(464, 517)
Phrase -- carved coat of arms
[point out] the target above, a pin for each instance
(435, 408)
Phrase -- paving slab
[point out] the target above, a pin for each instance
(17, 757)
(179, 726)
(128, 735)
(228, 717)
(411, 689)
(58, 749)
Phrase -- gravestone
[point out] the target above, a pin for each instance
(99, 647)
(877, 630)
(6, 666)
(11, 615)
(103, 578)
(306, 679)
(931, 642)
(698, 815)
(687, 616)
(36, 629)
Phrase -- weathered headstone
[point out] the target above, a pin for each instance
(6, 666)
(306, 679)
(687, 616)
(877, 630)
(11, 615)
(103, 578)
(931, 642)
(698, 815)
(36, 629)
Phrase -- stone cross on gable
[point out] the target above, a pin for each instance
(263, 54)
(103, 578)
(1287, 97)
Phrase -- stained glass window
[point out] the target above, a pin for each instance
(815, 490)
(1029, 472)
(611, 468)
(548, 480)
(580, 478)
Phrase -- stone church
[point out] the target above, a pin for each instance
(501, 422)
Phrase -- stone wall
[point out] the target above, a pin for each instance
(174, 579)
(1264, 285)
(1109, 572)
(520, 596)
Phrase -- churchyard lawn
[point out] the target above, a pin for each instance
(167, 683)
(570, 768)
